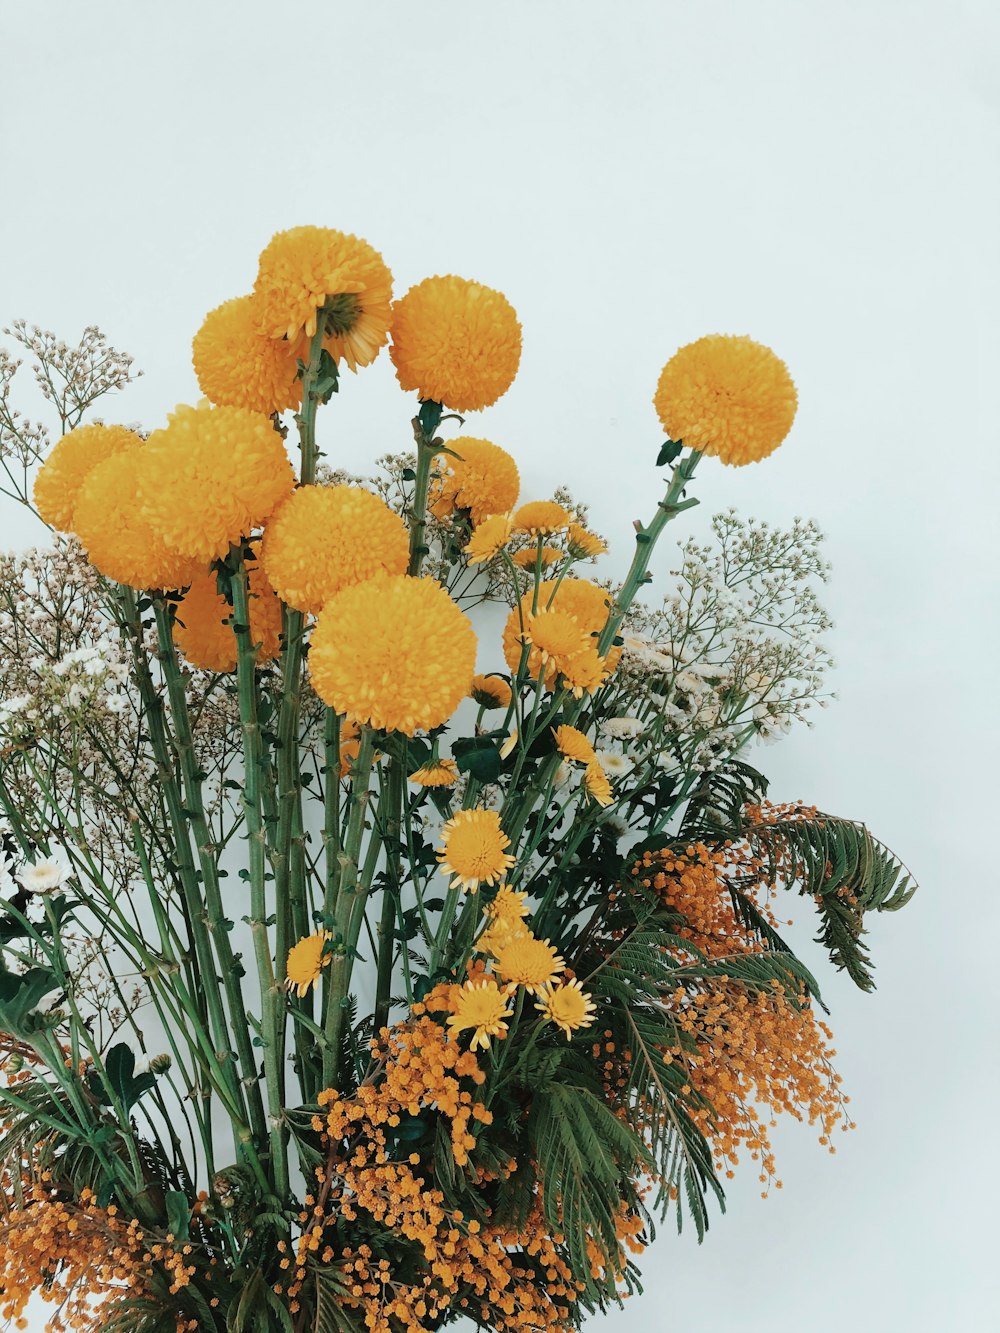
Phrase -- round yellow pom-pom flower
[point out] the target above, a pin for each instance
(727, 396)
(490, 692)
(57, 486)
(211, 476)
(567, 1005)
(482, 1006)
(474, 851)
(306, 961)
(438, 773)
(488, 539)
(455, 341)
(394, 652)
(306, 269)
(238, 366)
(204, 634)
(541, 518)
(326, 538)
(118, 538)
(528, 962)
(484, 480)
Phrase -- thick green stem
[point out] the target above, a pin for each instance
(394, 794)
(425, 423)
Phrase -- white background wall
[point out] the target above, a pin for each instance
(823, 177)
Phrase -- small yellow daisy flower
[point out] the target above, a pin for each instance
(488, 539)
(574, 745)
(306, 961)
(597, 784)
(475, 849)
(491, 692)
(528, 962)
(541, 518)
(584, 545)
(437, 773)
(567, 1005)
(531, 556)
(482, 1006)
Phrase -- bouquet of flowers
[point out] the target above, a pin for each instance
(359, 970)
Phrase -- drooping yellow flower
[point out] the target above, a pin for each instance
(306, 269)
(597, 784)
(488, 539)
(57, 486)
(238, 366)
(567, 1005)
(585, 545)
(326, 538)
(528, 962)
(484, 480)
(119, 539)
(306, 961)
(455, 341)
(474, 850)
(531, 556)
(728, 396)
(574, 744)
(212, 476)
(203, 631)
(490, 692)
(438, 773)
(482, 1006)
(394, 652)
(588, 603)
(541, 518)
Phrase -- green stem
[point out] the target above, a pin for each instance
(391, 894)
(425, 423)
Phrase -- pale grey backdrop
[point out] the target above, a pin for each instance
(821, 177)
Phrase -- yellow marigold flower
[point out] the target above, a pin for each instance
(306, 269)
(555, 636)
(474, 850)
(203, 630)
(394, 652)
(482, 1006)
(508, 905)
(455, 341)
(118, 538)
(488, 539)
(238, 366)
(484, 480)
(597, 784)
(728, 396)
(531, 556)
(588, 603)
(491, 692)
(584, 545)
(587, 671)
(212, 476)
(541, 518)
(306, 961)
(574, 745)
(326, 538)
(439, 773)
(567, 1005)
(57, 486)
(528, 962)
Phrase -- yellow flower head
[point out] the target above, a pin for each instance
(306, 961)
(203, 630)
(326, 538)
(531, 556)
(488, 539)
(307, 269)
(439, 773)
(498, 933)
(574, 745)
(394, 652)
(474, 851)
(456, 342)
(588, 603)
(567, 1005)
(350, 745)
(118, 537)
(238, 366)
(597, 784)
(212, 476)
(508, 905)
(584, 545)
(587, 671)
(57, 486)
(482, 1006)
(541, 518)
(528, 962)
(491, 692)
(556, 637)
(484, 480)
(728, 396)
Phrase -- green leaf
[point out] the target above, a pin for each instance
(20, 995)
(119, 1082)
(178, 1213)
(669, 450)
(479, 756)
